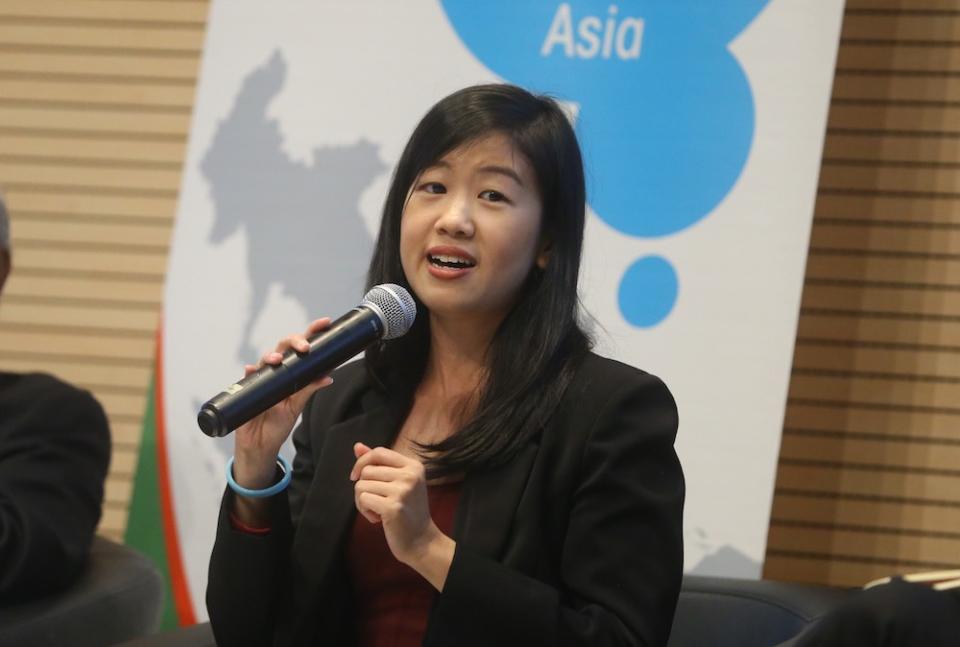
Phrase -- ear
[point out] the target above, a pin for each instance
(543, 256)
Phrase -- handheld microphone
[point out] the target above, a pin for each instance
(386, 312)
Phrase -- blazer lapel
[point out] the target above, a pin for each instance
(328, 508)
(489, 501)
(487, 505)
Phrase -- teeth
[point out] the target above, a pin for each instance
(451, 260)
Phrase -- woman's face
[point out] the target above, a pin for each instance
(470, 231)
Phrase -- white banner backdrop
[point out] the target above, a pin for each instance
(702, 125)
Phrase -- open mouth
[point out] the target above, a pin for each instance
(450, 262)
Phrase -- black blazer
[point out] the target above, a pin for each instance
(577, 541)
(54, 453)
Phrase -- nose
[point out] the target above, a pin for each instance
(456, 219)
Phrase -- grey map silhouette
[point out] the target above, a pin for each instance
(302, 220)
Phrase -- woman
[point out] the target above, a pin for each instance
(512, 487)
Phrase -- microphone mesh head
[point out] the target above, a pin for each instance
(395, 304)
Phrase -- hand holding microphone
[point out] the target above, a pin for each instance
(272, 395)
(258, 440)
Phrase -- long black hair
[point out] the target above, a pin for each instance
(538, 345)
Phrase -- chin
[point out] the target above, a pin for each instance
(446, 307)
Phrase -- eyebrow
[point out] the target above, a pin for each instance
(489, 168)
(502, 170)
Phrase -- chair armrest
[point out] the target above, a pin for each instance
(118, 596)
(721, 611)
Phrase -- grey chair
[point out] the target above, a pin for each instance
(727, 612)
(119, 596)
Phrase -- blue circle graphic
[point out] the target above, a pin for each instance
(648, 291)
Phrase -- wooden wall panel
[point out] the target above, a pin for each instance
(95, 103)
(869, 475)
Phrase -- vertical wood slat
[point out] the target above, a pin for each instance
(869, 480)
(95, 102)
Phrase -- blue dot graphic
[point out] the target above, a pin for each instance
(648, 291)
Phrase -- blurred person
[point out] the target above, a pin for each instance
(54, 454)
(921, 609)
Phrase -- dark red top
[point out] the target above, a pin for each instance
(391, 599)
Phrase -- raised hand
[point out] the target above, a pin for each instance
(391, 489)
(258, 441)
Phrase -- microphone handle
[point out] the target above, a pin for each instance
(270, 384)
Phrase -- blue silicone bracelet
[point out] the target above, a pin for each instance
(279, 486)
